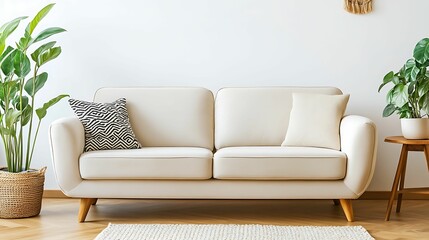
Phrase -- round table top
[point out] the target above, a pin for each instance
(402, 140)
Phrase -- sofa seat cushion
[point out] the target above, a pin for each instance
(279, 163)
(147, 163)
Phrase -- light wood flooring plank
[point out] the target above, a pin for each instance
(58, 216)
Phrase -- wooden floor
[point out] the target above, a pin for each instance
(58, 219)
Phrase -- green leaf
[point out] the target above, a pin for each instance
(414, 72)
(9, 27)
(389, 110)
(47, 33)
(423, 88)
(400, 95)
(23, 43)
(401, 72)
(8, 63)
(421, 51)
(21, 64)
(389, 96)
(12, 87)
(405, 111)
(395, 80)
(388, 77)
(38, 84)
(404, 115)
(48, 55)
(41, 49)
(26, 115)
(381, 86)
(411, 87)
(39, 16)
(2, 91)
(17, 104)
(9, 49)
(9, 87)
(422, 100)
(41, 112)
(410, 63)
(12, 116)
(2, 46)
(5, 131)
(426, 108)
(411, 70)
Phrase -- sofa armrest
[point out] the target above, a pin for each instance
(66, 139)
(359, 142)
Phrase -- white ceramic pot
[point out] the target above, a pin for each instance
(415, 128)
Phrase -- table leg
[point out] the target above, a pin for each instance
(404, 152)
(401, 184)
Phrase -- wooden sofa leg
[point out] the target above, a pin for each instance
(336, 202)
(94, 201)
(346, 204)
(85, 204)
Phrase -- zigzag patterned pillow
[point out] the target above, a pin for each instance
(106, 125)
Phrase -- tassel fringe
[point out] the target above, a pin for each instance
(358, 6)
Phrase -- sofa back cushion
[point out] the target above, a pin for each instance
(256, 116)
(167, 117)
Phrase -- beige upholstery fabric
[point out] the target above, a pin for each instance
(67, 139)
(243, 120)
(279, 163)
(147, 163)
(212, 189)
(167, 117)
(359, 143)
(256, 116)
(315, 120)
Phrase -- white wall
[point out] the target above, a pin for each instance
(221, 43)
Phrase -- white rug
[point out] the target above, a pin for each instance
(229, 232)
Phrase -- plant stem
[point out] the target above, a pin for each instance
(28, 157)
(415, 111)
(12, 157)
(16, 152)
(7, 153)
(10, 160)
(34, 140)
(2, 134)
(5, 150)
(20, 140)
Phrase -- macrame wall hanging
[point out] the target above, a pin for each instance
(358, 6)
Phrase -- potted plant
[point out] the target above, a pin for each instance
(21, 78)
(409, 96)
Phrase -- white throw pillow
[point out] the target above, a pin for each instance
(315, 120)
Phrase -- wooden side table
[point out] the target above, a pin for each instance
(407, 145)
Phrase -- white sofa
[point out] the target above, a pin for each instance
(199, 147)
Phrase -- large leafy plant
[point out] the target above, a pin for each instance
(21, 79)
(409, 95)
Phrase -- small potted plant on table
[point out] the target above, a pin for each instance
(21, 78)
(409, 96)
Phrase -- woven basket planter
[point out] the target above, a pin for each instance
(21, 193)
